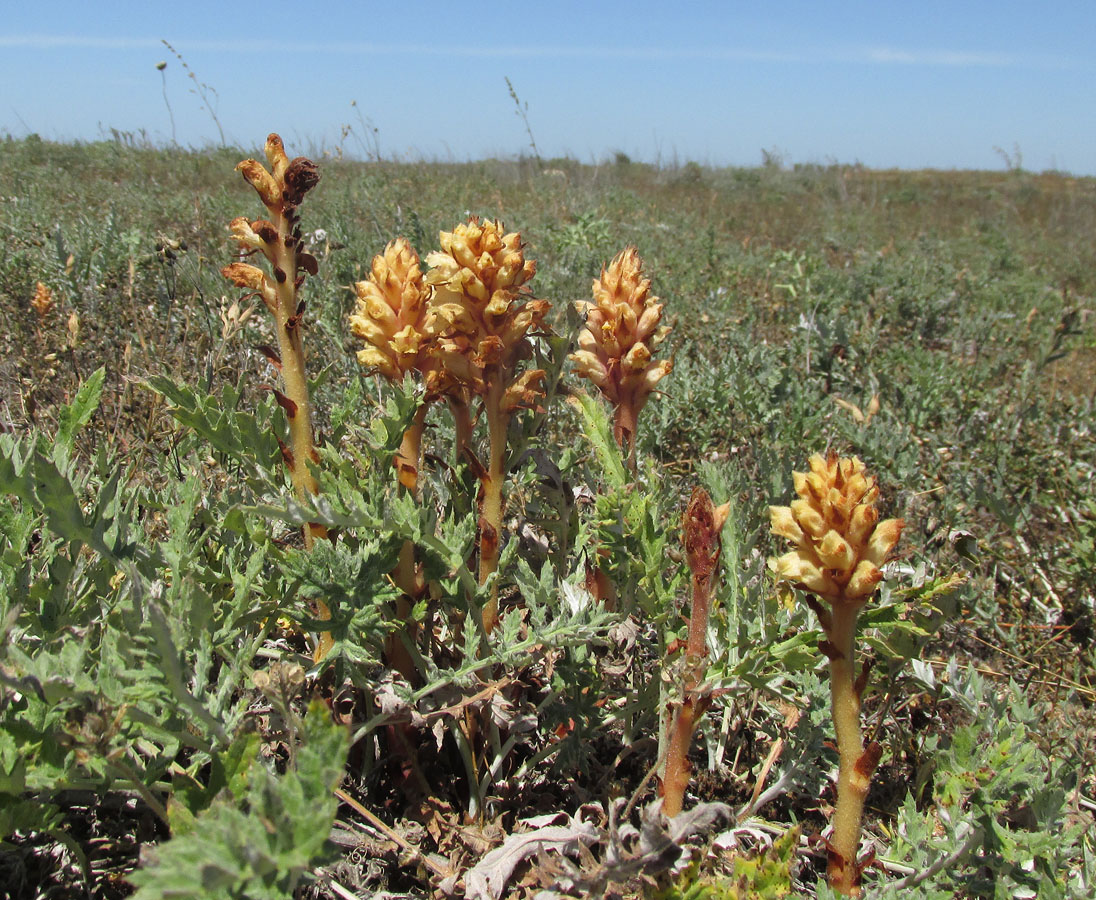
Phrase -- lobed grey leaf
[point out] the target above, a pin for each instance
(487, 880)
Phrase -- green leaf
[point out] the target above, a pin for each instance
(599, 432)
(266, 848)
(79, 412)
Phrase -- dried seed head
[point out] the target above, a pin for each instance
(840, 544)
(282, 187)
(390, 316)
(621, 334)
(480, 314)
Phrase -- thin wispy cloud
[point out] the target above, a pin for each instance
(941, 58)
(884, 56)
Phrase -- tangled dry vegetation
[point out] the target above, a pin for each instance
(468, 573)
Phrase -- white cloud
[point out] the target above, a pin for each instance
(885, 56)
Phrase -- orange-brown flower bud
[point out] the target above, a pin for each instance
(42, 301)
(251, 277)
(276, 156)
(264, 183)
(840, 546)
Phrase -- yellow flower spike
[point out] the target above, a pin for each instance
(391, 317)
(840, 548)
(620, 336)
(480, 320)
(391, 312)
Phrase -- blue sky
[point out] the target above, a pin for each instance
(886, 84)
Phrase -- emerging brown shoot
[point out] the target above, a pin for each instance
(618, 342)
(701, 526)
(840, 547)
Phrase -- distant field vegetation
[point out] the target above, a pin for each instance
(939, 325)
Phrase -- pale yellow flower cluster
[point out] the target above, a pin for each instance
(465, 326)
(481, 314)
(621, 334)
(840, 544)
(391, 313)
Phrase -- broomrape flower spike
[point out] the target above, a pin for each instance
(480, 319)
(840, 547)
(390, 317)
(282, 188)
(617, 344)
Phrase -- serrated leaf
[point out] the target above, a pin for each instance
(598, 431)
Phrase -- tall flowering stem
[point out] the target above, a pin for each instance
(701, 526)
(618, 342)
(282, 188)
(390, 318)
(840, 547)
(481, 319)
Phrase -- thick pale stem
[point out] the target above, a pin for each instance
(462, 422)
(491, 500)
(294, 376)
(409, 456)
(287, 326)
(852, 782)
(407, 576)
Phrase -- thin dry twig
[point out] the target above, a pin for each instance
(416, 854)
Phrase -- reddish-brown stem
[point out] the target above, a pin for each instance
(462, 423)
(701, 525)
(409, 456)
(625, 425)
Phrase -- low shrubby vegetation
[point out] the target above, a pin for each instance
(693, 534)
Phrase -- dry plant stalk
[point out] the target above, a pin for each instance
(282, 189)
(840, 547)
(481, 316)
(618, 342)
(390, 317)
(701, 526)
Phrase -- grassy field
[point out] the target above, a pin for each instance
(162, 706)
